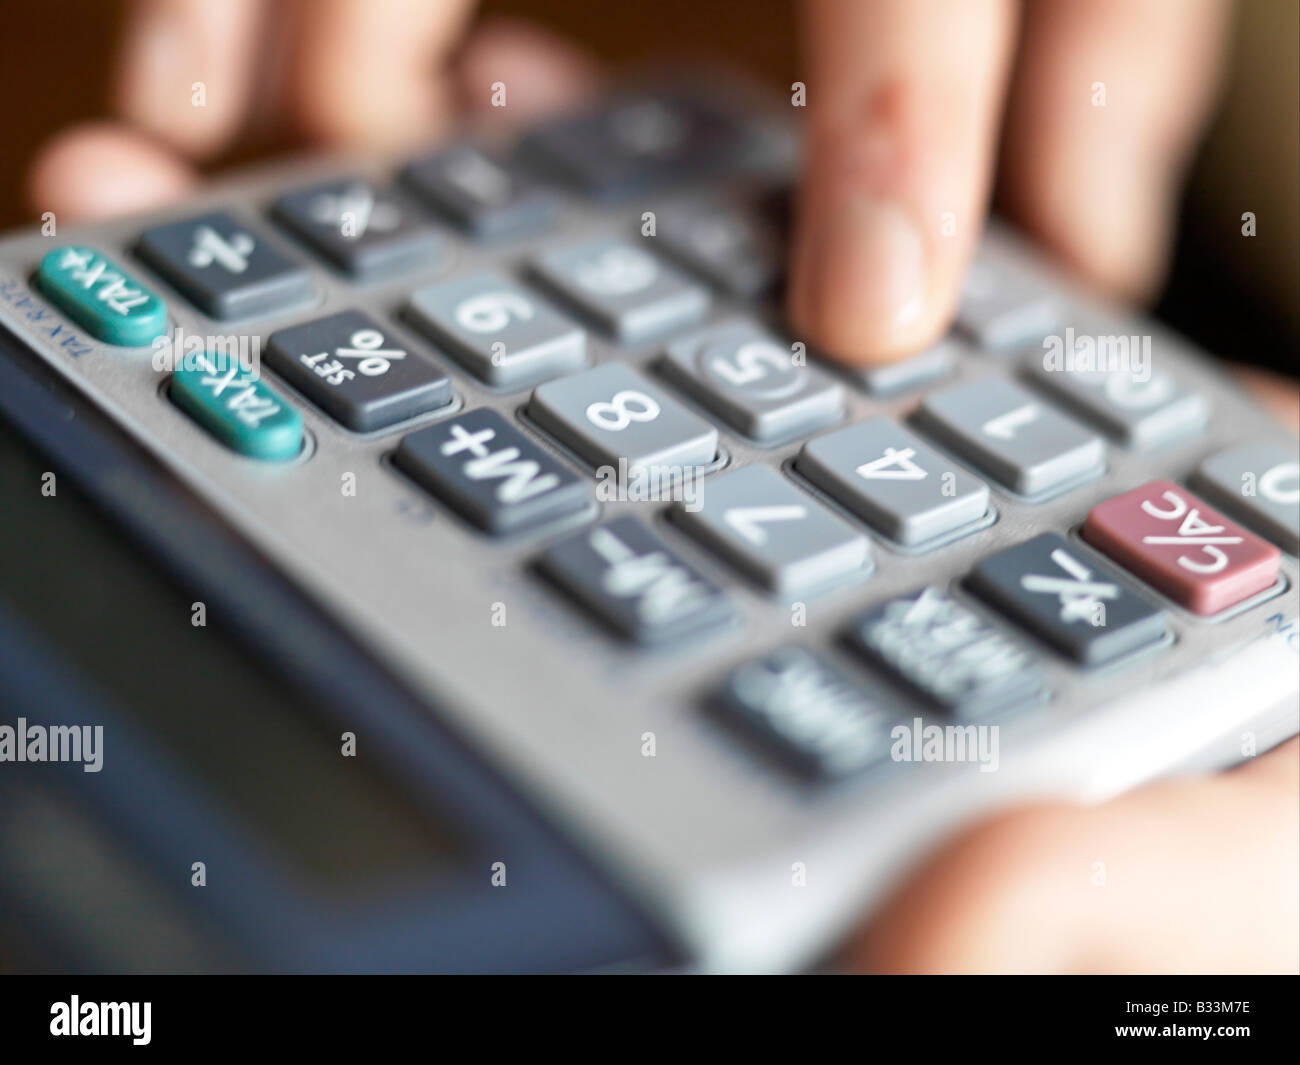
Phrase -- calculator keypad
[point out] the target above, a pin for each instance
(360, 373)
(1080, 606)
(361, 230)
(635, 583)
(627, 292)
(499, 331)
(1013, 435)
(753, 382)
(551, 317)
(781, 538)
(613, 417)
(223, 267)
(891, 479)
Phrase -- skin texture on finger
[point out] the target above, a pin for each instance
(1198, 874)
(368, 73)
(186, 70)
(130, 172)
(1108, 99)
(543, 74)
(904, 98)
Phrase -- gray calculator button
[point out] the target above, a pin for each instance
(626, 575)
(912, 372)
(1260, 482)
(500, 332)
(1002, 308)
(1139, 410)
(491, 473)
(225, 268)
(808, 711)
(639, 142)
(628, 292)
(1083, 608)
(944, 650)
(362, 375)
(753, 382)
(611, 414)
(770, 530)
(365, 231)
(1013, 435)
(484, 198)
(733, 250)
(895, 482)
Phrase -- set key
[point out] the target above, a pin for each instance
(363, 376)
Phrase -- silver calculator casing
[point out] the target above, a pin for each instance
(748, 866)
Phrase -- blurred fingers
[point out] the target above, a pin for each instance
(1109, 98)
(904, 99)
(104, 169)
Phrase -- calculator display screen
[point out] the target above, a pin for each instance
(229, 721)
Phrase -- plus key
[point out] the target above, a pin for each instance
(1182, 546)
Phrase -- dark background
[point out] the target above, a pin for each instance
(1239, 297)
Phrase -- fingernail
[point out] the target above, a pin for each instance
(870, 269)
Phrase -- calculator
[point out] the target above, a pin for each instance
(470, 570)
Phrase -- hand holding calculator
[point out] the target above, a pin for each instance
(522, 418)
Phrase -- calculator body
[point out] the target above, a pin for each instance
(691, 826)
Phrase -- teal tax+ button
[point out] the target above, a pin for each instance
(101, 297)
(237, 408)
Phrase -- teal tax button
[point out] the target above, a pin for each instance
(236, 408)
(101, 297)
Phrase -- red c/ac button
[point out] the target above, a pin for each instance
(1182, 546)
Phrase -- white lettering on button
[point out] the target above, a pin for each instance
(88, 269)
(1274, 484)
(749, 521)
(1004, 426)
(1194, 530)
(524, 477)
(1080, 597)
(211, 247)
(893, 465)
(663, 588)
